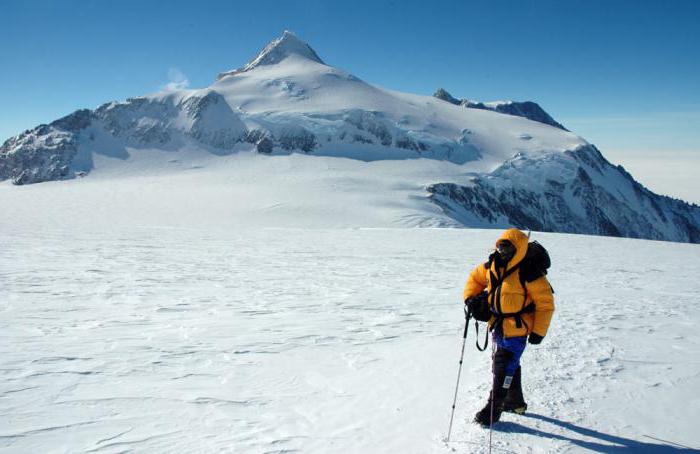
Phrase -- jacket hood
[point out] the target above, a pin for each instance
(519, 240)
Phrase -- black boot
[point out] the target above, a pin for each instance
(516, 407)
(483, 416)
(514, 401)
(488, 415)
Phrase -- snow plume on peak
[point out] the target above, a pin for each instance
(277, 50)
(177, 80)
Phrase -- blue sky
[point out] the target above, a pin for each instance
(623, 74)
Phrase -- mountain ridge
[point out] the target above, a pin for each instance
(527, 109)
(287, 100)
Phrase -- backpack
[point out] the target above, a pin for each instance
(535, 264)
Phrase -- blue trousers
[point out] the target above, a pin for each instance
(506, 363)
(515, 346)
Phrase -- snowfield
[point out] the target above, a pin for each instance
(212, 310)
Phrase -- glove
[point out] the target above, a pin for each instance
(534, 338)
(476, 299)
(479, 307)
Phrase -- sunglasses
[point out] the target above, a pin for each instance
(505, 248)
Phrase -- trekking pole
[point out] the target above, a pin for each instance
(493, 390)
(467, 316)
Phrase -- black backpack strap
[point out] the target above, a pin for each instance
(486, 338)
(519, 322)
(495, 294)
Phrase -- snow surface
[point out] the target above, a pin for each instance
(251, 304)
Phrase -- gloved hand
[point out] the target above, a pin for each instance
(535, 338)
(479, 298)
(479, 307)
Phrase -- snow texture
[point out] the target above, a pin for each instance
(142, 336)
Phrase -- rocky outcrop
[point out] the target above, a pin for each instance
(211, 121)
(138, 120)
(441, 93)
(296, 138)
(44, 153)
(526, 109)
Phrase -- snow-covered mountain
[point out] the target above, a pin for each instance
(511, 163)
(577, 191)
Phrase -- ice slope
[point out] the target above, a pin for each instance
(127, 331)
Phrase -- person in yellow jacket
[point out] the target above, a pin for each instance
(521, 303)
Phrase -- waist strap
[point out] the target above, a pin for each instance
(519, 322)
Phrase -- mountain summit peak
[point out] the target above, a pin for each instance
(277, 50)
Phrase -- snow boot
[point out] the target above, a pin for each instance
(516, 407)
(483, 416)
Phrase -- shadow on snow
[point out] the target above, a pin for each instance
(619, 444)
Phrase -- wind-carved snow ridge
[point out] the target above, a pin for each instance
(576, 191)
(287, 101)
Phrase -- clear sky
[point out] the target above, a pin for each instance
(625, 75)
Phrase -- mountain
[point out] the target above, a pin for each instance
(577, 191)
(496, 165)
(526, 109)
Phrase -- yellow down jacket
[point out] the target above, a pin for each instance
(512, 297)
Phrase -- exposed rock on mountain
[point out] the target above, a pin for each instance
(526, 109)
(577, 191)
